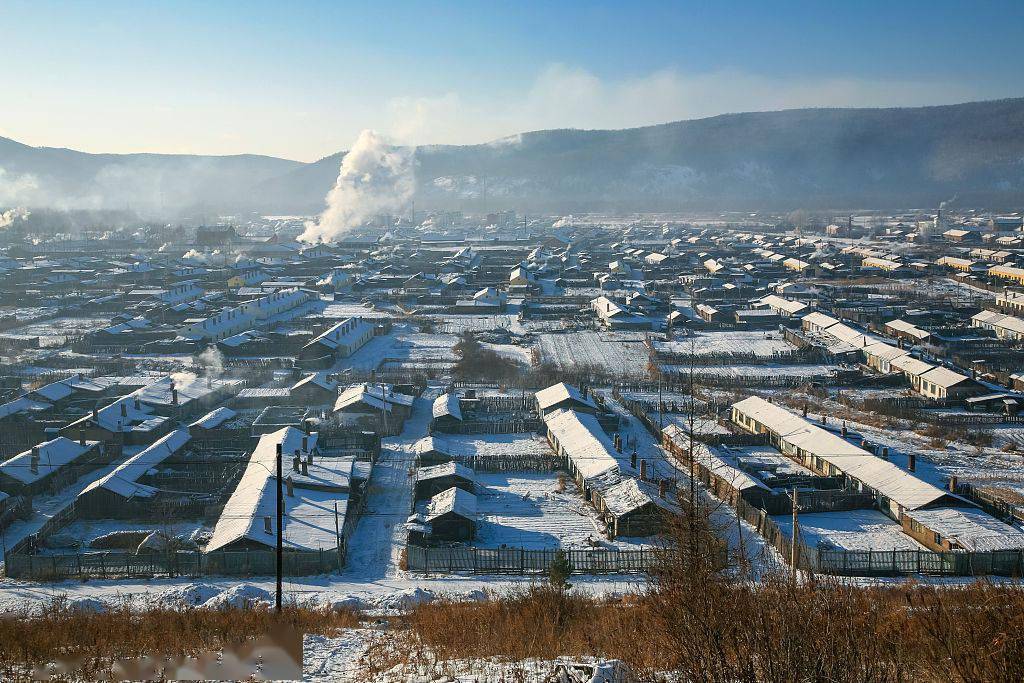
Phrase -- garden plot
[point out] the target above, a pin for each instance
(849, 530)
(809, 371)
(56, 332)
(526, 510)
(620, 354)
(762, 344)
(457, 324)
(497, 446)
(419, 351)
(103, 534)
(339, 310)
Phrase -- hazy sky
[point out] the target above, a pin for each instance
(301, 79)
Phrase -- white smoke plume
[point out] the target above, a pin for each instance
(195, 256)
(375, 177)
(563, 222)
(213, 360)
(8, 217)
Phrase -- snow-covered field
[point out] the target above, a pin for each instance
(746, 370)
(615, 353)
(526, 510)
(764, 344)
(849, 530)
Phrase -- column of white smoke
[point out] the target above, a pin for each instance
(375, 177)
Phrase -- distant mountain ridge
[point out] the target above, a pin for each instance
(785, 159)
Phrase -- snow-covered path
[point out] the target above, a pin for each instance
(375, 547)
(760, 556)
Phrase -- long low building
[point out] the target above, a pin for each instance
(589, 453)
(248, 520)
(829, 454)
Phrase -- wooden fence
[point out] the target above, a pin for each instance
(524, 561)
(123, 564)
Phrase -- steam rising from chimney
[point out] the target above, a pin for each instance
(374, 178)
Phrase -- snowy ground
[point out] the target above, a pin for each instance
(763, 344)
(614, 353)
(55, 332)
(760, 370)
(849, 530)
(526, 510)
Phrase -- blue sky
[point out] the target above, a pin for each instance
(301, 79)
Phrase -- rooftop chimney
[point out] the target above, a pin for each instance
(124, 409)
(953, 483)
(295, 463)
(174, 396)
(138, 403)
(267, 528)
(663, 488)
(291, 487)
(305, 467)
(911, 461)
(305, 443)
(632, 460)
(643, 470)
(95, 413)
(81, 437)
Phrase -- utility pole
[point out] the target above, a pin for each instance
(280, 533)
(794, 552)
(337, 535)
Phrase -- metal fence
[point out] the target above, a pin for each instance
(910, 562)
(524, 561)
(123, 564)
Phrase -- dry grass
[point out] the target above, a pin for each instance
(127, 632)
(714, 630)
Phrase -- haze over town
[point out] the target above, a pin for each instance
(474, 341)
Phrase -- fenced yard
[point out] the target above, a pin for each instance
(525, 561)
(121, 564)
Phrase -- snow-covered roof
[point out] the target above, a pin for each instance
(53, 455)
(124, 479)
(972, 529)
(632, 494)
(373, 396)
(455, 500)
(944, 377)
(346, 332)
(215, 418)
(447, 405)
(309, 512)
(581, 438)
(557, 393)
(446, 469)
(881, 475)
